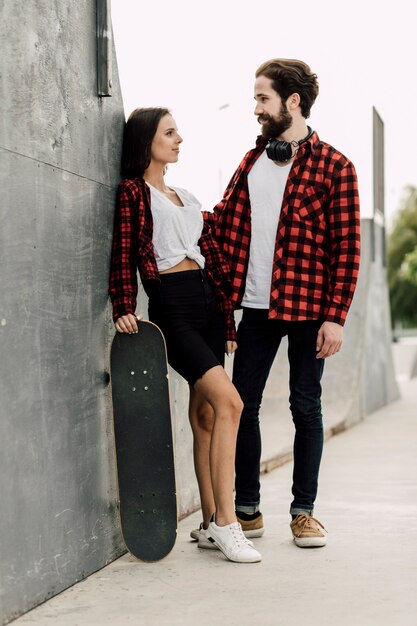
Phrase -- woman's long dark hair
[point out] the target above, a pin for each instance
(138, 134)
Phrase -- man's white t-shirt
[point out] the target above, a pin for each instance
(266, 183)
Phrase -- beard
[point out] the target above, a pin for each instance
(275, 126)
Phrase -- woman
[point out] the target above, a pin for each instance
(159, 229)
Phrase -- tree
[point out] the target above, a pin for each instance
(402, 262)
(410, 266)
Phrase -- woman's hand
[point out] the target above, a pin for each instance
(128, 324)
(231, 346)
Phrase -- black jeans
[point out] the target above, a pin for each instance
(258, 342)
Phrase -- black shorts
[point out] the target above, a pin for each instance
(186, 311)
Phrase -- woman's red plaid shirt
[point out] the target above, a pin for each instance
(133, 250)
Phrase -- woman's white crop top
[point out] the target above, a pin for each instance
(176, 229)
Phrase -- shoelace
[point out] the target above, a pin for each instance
(305, 522)
(238, 536)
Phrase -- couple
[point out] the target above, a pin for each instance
(283, 245)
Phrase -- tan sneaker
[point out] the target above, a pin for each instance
(252, 528)
(308, 532)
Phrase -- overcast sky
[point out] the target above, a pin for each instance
(199, 60)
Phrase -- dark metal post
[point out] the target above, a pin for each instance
(104, 48)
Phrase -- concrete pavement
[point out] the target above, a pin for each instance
(365, 576)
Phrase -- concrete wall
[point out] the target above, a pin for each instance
(378, 379)
(60, 151)
(405, 358)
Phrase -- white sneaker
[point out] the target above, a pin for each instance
(232, 542)
(199, 534)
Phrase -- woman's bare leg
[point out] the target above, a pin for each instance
(201, 415)
(216, 388)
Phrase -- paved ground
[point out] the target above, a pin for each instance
(366, 575)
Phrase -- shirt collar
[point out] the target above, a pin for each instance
(261, 141)
(311, 143)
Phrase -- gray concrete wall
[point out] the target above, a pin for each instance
(405, 358)
(378, 380)
(60, 150)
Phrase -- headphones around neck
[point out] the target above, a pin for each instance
(281, 151)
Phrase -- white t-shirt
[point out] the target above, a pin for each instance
(176, 229)
(266, 182)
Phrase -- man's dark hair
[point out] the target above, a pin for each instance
(138, 134)
(290, 76)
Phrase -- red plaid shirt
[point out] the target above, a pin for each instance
(316, 262)
(133, 249)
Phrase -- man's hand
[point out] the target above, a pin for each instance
(127, 324)
(231, 346)
(329, 339)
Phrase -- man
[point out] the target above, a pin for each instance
(288, 226)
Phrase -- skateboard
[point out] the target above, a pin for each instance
(143, 442)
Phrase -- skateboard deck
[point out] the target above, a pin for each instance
(143, 442)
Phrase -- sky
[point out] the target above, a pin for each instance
(199, 60)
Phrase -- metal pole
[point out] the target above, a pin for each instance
(104, 49)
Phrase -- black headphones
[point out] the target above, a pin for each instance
(281, 151)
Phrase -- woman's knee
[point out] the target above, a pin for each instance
(237, 405)
(204, 418)
(232, 406)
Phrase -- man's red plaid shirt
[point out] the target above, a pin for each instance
(133, 250)
(317, 248)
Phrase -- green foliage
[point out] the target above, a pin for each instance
(402, 262)
(410, 266)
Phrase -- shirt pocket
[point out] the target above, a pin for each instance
(312, 204)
